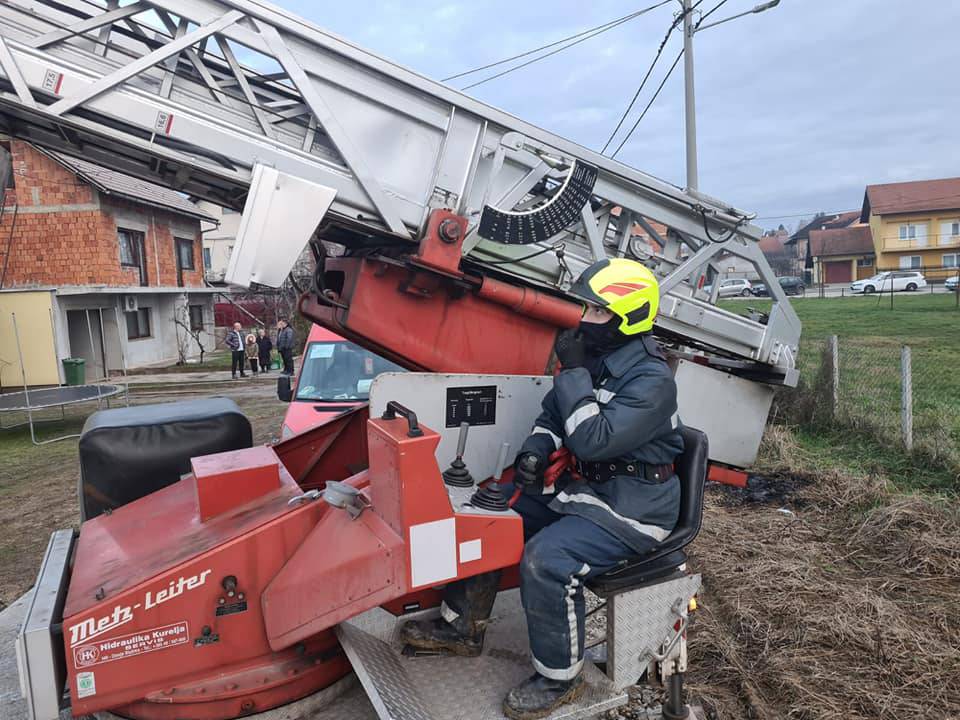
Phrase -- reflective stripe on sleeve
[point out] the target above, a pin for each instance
(657, 533)
(557, 441)
(603, 395)
(579, 416)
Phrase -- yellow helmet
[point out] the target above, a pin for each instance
(626, 288)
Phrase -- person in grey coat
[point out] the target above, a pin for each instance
(285, 345)
(598, 485)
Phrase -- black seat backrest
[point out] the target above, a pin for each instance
(691, 466)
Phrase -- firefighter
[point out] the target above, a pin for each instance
(613, 408)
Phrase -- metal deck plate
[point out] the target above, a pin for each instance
(456, 688)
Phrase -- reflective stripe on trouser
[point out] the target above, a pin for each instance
(564, 551)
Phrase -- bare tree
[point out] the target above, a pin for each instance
(186, 332)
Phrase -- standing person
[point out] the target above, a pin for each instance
(265, 345)
(234, 341)
(613, 407)
(253, 352)
(285, 345)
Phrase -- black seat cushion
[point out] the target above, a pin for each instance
(630, 577)
(127, 453)
(691, 467)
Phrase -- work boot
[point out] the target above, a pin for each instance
(538, 696)
(438, 634)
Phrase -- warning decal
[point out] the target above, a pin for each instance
(124, 646)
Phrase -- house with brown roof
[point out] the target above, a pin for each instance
(915, 225)
(95, 264)
(841, 255)
(799, 243)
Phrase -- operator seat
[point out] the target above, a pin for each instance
(665, 558)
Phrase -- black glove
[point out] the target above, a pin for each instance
(571, 349)
(528, 472)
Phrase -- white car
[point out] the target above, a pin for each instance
(732, 287)
(908, 280)
(951, 283)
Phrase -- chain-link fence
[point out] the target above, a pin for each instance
(900, 395)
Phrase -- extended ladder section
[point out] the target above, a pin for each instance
(194, 94)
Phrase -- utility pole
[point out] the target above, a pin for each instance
(689, 101)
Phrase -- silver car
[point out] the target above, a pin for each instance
(732, 287)
(951, 283)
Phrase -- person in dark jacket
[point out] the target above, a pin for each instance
(265, 345)
(285, 345)
(614, 407)
(234, 341)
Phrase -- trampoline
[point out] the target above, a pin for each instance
(31, 401)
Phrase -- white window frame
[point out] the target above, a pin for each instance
(949, 232)
(954, 261)
(914, 232)
(906, 262)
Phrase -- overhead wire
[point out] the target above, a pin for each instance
(646, 76)
(649, 104)
(711, 11)
(656, 58)
(587, 35)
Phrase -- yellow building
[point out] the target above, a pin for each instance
(915, 226)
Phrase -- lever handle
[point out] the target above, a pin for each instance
(394, 408)
(462, 439)
(501, 461)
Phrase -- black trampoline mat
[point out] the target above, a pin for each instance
(55, 397)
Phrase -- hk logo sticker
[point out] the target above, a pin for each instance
(87, 655)
(86, 684)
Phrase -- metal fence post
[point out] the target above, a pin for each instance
(834, 375)
(906, 398)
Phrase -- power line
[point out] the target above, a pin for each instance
(710, 12)
(623, 19)
(602, 30)
(673, 26)
(662, 83)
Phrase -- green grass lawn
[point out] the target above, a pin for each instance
(871, 335)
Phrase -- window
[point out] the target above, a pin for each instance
(131, 247)
(138, 324)
(951, 260)
(184, 254)
(910, 262)
(196, 318)
(914, 234)
(864, 262)
(207, 262)
(949, 232)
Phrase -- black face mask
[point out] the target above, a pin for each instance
(603, 338)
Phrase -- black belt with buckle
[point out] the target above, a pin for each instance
(603, 471)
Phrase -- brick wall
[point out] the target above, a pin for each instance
(64, 232)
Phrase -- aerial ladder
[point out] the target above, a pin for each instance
(445, 233)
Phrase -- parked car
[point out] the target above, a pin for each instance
(732, 287)
(951, 283)
(895, 280)
(791, 286)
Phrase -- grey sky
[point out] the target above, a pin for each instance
(798, 108)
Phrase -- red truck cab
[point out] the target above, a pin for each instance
(335, 376)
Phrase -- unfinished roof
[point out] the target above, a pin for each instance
(908, 197)
(823, 222)
(111, 182)
(853, 240)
